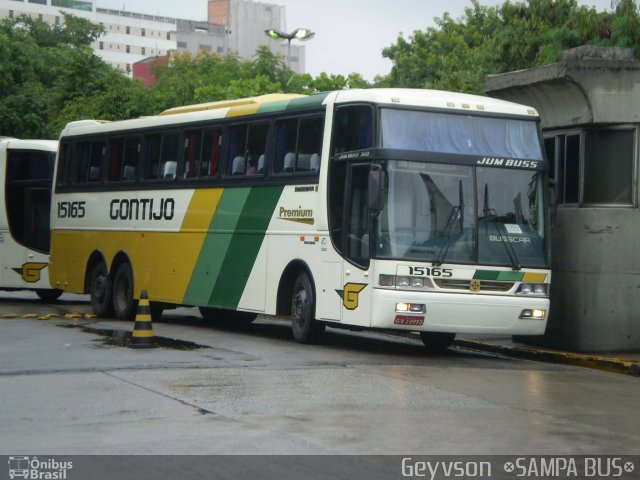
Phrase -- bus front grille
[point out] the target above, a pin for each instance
(485, 285)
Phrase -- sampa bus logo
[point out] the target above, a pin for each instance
(30, 272)
(350, 294)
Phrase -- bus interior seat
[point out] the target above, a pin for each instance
(237, 167)
(289, 162)
(261, 164)
(304, 162)
(94, 174)
(129, 172)
(169, 169)
(314, 162)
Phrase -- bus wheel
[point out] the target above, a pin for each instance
(100, 291)
(437, 341)
(124, 305)
(306, 329)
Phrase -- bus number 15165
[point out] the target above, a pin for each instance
(430, 272)
(71, 209)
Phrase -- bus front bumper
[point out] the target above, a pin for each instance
(460, 312)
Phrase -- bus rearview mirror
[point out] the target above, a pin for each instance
(377, 184)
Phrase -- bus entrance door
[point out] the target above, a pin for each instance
(356, 293)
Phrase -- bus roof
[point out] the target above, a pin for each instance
(434, 99)
(240, 102)
(17, 144)
(279, 102)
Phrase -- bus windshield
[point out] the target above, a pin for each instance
(462, 214)
(460, 134)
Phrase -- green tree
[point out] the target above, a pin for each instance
(42, 67)
(456, 54)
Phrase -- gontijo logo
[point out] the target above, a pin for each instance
(350, 294)
(30, 272)
(35, 469)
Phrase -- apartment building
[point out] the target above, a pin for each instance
(232, 26)
(128, 38)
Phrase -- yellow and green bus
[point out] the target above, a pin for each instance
(389, 209)
(26, 170)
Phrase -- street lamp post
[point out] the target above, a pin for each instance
(298, 34)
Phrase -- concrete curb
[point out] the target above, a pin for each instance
(609, 364)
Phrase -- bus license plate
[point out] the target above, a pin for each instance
(407, 320)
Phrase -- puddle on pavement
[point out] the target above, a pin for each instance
(121, 338)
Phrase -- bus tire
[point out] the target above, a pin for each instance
(306, 329)
(49, 295)
(124, 305)
(437, 341)
(100, 290)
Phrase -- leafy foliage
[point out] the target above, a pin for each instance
(457, 54)
(41, 68)
(49, 75)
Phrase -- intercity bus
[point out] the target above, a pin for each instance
(26, 170)
(390, 209)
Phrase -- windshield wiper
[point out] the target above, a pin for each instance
(456, 215)
(503, 237)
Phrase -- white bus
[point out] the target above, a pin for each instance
(390, 209)
(26, 169)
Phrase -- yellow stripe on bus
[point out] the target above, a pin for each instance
(534, 277)
(201, 209)
(163, 262)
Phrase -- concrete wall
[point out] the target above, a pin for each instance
(595, 293)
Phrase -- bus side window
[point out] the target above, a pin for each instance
(286, 135)
(132, 150)
(309, 144)
(116, 151)
(152, 156)
(80, 163)
(236, 151)
(169, 155)
(256, 148)
(192, 151)
(96, 161)
(62, 175)
(352, 128)
(211, 147)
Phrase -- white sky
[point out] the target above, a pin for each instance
(350, 34)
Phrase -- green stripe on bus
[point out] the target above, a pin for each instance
(277, 106)
(510, 276)
(486, 275)
(309, 101)
(245, 245)
(215, 246)
(504, 276)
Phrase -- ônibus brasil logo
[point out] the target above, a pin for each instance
(33, 468)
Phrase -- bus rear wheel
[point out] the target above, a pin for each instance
(437, 341)
(124, 305)
(100, 290)
(306, 329)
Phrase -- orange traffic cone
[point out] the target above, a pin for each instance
(142, 336)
